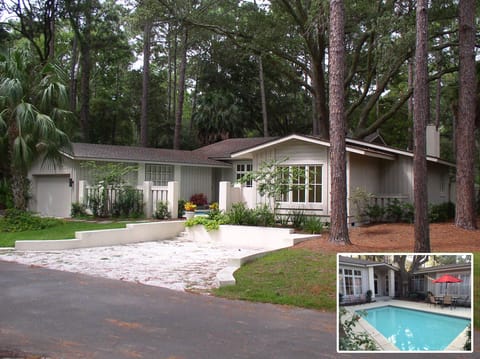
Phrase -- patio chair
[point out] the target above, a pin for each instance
(447, 300)
(463, 301)
(432, 300)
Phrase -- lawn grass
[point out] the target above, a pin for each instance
(64, 230)
(296, 277)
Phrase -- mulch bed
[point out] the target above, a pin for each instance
(399, 238)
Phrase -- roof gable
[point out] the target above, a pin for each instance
(353, 146)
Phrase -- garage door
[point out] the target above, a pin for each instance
(54, 196)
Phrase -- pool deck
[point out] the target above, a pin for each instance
(384, 345)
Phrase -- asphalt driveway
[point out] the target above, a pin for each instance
(67, 315)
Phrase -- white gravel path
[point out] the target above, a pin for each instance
(178, 264)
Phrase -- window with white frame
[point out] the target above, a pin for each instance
(160, 175)
(241, 170)
(305, 184)
(350, 282)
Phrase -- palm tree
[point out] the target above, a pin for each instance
(30, 100)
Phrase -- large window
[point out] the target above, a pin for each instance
(241, 170)
(351, 281)
(305, 184)
(160, 175)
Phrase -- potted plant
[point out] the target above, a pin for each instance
(189, 209)
(369, 296)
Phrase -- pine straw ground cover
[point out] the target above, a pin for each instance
(387, 238)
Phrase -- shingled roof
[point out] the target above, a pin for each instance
(88, 151)
(223, 149)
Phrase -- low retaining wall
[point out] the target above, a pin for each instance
(248, 236)
(133, 233)
(265, 239)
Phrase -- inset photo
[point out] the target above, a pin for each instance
(410, 302)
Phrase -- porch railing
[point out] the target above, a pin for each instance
(145, 195)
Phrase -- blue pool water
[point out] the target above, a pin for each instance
(415, 330)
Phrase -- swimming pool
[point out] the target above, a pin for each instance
(415, 330)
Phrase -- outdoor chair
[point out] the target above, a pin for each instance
(463, 301)
(432, 300)
(447, 300)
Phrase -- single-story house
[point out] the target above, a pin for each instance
(357, 276)
(383, 171)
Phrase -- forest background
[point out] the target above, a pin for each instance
(195, 72)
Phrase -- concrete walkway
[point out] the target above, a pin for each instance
(67, 315)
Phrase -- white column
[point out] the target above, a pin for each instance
(147, 199)
(371, 281)
(82, 191)
(224, 196)
(391, 283)
(173, 196)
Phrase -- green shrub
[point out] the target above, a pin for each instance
(181, 208)
(128, 203)
(162, 211)
(241, 215)
(441, 212)
(375, 212)
(209, 224)
(18, 221)
(297, 218)
(313, 225)
(468, 343)
(264, 216)
(349, 339)
(283, 220)
(394, 211)
(408, 212)
(398, 211)
(79, 210)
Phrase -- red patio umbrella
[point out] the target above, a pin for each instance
(447, 278)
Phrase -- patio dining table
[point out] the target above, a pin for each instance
(439, 300)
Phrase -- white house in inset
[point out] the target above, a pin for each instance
(357, 276)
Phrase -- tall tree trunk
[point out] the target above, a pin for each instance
(51, 13)
(85, 65)
(338, 211)
(181, 93)
(421, 113)
(465, 131)
(73, 76)
(411, 70)
(321, 127)
(169, 76)
(145, 84)
(263, 97)
(18, 177)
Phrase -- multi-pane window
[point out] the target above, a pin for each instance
(160, 175)
(305, 184)
(351, 283)
(241, 170)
